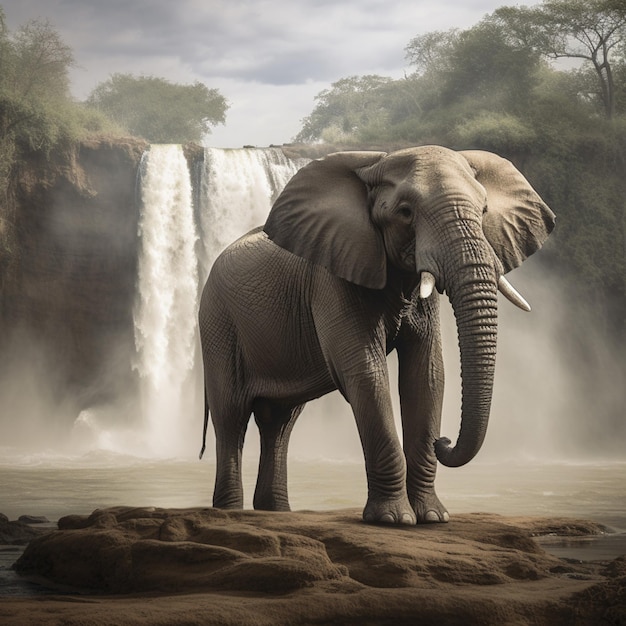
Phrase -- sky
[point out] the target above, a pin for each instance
(268, 58)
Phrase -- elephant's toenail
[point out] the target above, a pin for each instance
(387, 518)
(407, 519)
(431, 516)
(446, 517)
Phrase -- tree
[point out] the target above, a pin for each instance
(591, 30)
(471, 86)
(36, 111)
(480, 63)
(34, 85)
(349, 107)
(158, 110)
(431, 52)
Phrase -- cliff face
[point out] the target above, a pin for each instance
(68, 286)
(68, 267)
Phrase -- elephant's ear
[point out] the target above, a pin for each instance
(517, 221)
(322, 215)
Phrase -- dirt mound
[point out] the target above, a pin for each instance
(207, 566)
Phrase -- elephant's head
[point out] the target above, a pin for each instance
(460, 220)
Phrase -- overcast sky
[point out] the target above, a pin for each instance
(269, 58)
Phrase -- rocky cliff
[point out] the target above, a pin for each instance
(68, 282)
(68, 267)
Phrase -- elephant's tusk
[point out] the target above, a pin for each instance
(511, 294)
(427, 284)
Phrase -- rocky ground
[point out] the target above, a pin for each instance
(205, 566)
(21, 531)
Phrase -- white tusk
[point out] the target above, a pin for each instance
(427, 284)
(511, 294)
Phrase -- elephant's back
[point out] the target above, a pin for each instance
(255, 271)
(261, 294)
(255, 254)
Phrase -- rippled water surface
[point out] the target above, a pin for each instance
(57, 486)
(54, 486)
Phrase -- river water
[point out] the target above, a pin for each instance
(53, 486)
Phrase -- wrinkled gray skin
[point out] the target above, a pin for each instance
(316, 299)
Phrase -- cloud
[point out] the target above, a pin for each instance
(274, 41)
(252, 50)
(262, 114)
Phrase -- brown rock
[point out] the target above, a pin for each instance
(204, 566)
(18, 533)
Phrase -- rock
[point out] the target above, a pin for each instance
(130, 550)
(208, 566)
(18, 533)
(33, 519)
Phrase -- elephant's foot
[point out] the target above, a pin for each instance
(228, 498)
(429, 509)
(379, 510)
(223, 503)
(270, 502)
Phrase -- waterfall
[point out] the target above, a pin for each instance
(185, 222)
(238, 188)
(178, 244)
(166, 302)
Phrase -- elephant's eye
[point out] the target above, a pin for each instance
(405, 212)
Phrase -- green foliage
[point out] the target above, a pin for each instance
(158, 110)
(499, 132)
(432, 52)
(483, 61)
(590, 30)
(351, 106)
(36, 110)
(492, 87)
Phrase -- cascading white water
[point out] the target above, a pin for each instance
(166, 301)
(238, 188)
(177, 247)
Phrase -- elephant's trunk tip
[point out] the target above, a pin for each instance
(448, 455)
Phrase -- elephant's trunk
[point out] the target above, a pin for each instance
(472, 290)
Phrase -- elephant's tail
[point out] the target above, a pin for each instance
(206, 424)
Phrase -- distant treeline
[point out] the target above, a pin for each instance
(544, 86)
(38, 112)
(39, 117)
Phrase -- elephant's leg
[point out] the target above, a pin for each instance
(384, 461)
(275, 424)
(230, 429)
(421, 382)
(353, 340)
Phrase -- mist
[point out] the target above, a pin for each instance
(559, 391)
(547, 404)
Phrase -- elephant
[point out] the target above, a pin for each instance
(348, 267)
